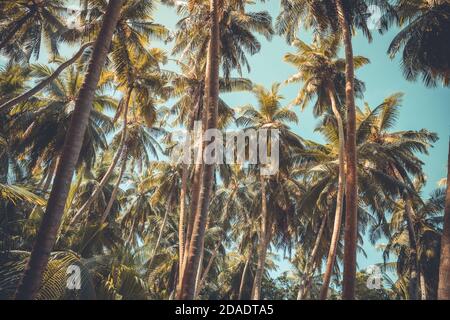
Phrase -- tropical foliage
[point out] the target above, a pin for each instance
(95, 202)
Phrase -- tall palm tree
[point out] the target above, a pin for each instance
(271, 115)
(444, 269)
(235, 38)
(339, 17)
(322, 74)
(425, 27)
(27, 23)
(72, 146)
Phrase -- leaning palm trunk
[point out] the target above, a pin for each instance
(116, 187)
(45, 240)
(339, 201)
(444, 267)
(41, 85)
(183, 231)
(111, 167)
(192, 255)
(161, 229)
(413, 284)
(351, 190)
(263, 245)
(244, 273)
(311, 265)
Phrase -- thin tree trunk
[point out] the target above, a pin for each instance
(116, 187)
(423, 287)
(311, 264)
(184, 231)
(111, 167)
(161, 230)
(41, 85)
(50, 175)
(351, 190)
(339, 202)
(199, 274)
(45, 240)
(202, 279)
(212, 98)
(263, 245)
(244, 274)
(444, 267)
(413, 285)
(414, 276)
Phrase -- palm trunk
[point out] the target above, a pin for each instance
(212, 98)
(444, 267)
(111, 167)
(244, 274)
(413, 285)
(116, 187)
(331, 259)
(202, 279)
(161, 230)
(263, 245)
(41, 85)
(351, 190)
(423, 287)
(51, 221)
(311, 264)
(183, 230)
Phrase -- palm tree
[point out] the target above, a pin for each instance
(339, 17)
(427, 222)
(380, 134)
(444, 269)
(72, 146)
(323, 76)
(234, 31)
(271, 115)
(425, 27)
(27, 24)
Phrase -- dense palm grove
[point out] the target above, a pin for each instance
(85, 179)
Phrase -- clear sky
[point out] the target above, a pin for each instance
(422, 107)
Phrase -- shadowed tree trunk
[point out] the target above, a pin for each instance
(116, 186)
(444, 267)
(339, 201)
(263, 244)
(351, 190)
(311, 264)
(413, 285)
(119, 154)
(183, 230)
(41, 85)
(193, 254)
(244, 273)
(45, 240)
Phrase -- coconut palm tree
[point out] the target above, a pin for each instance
(231, 28)
(339, 17)
(55, 206)
(27, 23)
(424, 27)
(427, 224)
(271, 115)
(322, 74)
